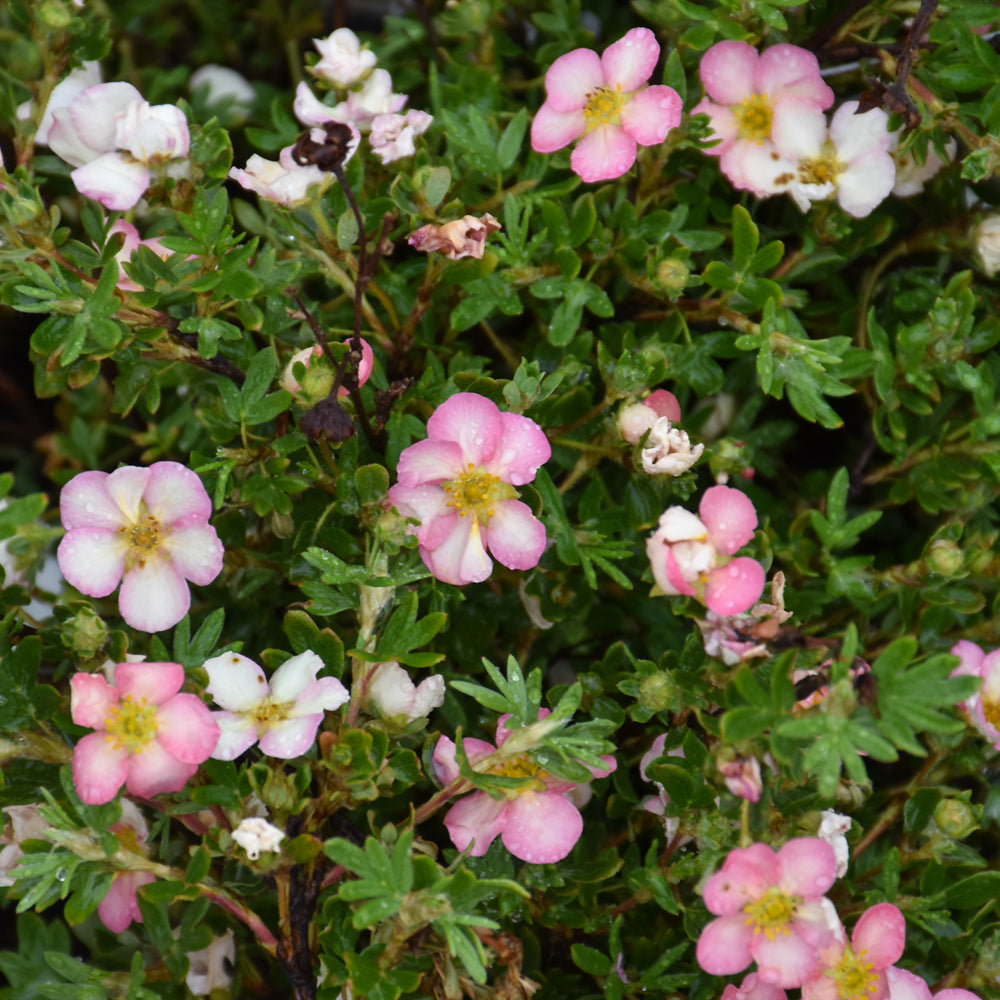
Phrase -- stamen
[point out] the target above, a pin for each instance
(754, 116)
(771, 913)
(131, 724)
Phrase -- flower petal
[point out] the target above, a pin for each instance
(514, 536)
(729, 516)
(292, 737)
(603, 154)
(115, 182)
(867, 182)
(195, 551)
(91, 698)
(798, 129)
(735, 587)
(294, 676)
(154, 597)
(808, 867)
(237, 733)
(745, 876)
(651, 114)
(175, 493)
(152, 771)
(119, 907)
(522, 448)
(126, 487)
(727, 71)
(905, 985)
(788, 70)
(461, 557)
(444, 761)
(473, 421)
(85, 502)
(725, 127)
(99, 768)
(478, 818)
(551, 129)
(629, 62)
(95, 111)
(724, 945)
(92, 560)
(430, 461)
(881, 934)
(235, 681)
(153, 682)
(786, 960)
(187, 730)
(542, 827)
(572, 78)
(324, 695)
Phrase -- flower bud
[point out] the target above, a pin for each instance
(945, 557)
(659, 693)
(672, 275)
(86, 633)
(54, 14)
(956, 818)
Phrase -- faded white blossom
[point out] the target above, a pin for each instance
(832, 829)
(255, 835)
(668, 450)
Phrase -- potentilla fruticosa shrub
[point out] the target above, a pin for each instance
(501, 500)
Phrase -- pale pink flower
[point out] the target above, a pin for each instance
(227, 91)
(317, 380)
(912, 175)
(146, 528)
(26, 823)
(537, 823)
(286, 182)
(753, 988)
(742, 777)
(255, 834)
(746, 92)
(343, 62)
(460, 484)
(857, 971)
(129, 247)
(905, 985)
(983, 708)
(771, 909)
(657, 804)
(359, 109)
(465, 237)
(392, 135)
(283, 715)
(150, 737)
(832, 828)
(392, 691)
(690, 555)
(78, 79)
(605, 102)
(637, 418)
(120, 907)
(114, 138)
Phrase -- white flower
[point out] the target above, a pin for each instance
(669, 450)
(225, 86)
(87, 75)
(911, 175)
(394, 693)
(342, 60)
(832, 829)
(207, 969)
(285, 182)
(255, 835)
(392, 135)
(988, 244)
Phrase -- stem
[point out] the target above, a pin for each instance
(244, 915)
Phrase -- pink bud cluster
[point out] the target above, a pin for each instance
(693, 555)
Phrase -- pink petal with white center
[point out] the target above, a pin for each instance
(867, 182)
(119, 907)
(91, 698)
(788, 70)
(478, 818)
(95, 112)
(235, 681)
(153, 682)
(571, 79)
(808, 866)
(551, 129)
(729, 516)
(471, 420)
(86, 503)
(629, 62)
(905, 985)
(798, 129)
(195, 551)
(290, 738)
(881, 934)
(724, 946)
(92, 560)
(676, 579)
(514, 536)
(759, 168)
(430, 461)
(126, 487)
(542, 827)
(237, 733)
(324, 695)
(294, 676)
(603, 154)
(187, 730)
(115, 182)
(154, 597)
(99, 769)
(651, 114)
(787, 961)
(727, 71)
(175, 493)
(725, 127)
(152, 771)
(735, 587)
(461, 558)
(523, 447)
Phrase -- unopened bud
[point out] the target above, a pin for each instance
(659, 693)
(86, 633)
(672, 275)
(54, 14)
(956, 818)
(945, 557)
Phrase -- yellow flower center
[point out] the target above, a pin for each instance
(521, 766)
(269, 713)
(603, 107)
(143, 538)
(131, 724)
(754, 116)
(771, 913)
(822, 169)
(477, 492)
(856, 979)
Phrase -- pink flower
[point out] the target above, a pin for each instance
(537, 823)
(392, 135)
(738, 638)
(690, 555)
(747, 92)
(284, 715)
(129, 247)
(657, 804)
(359, 110)
(150, 737)
(605, 100)
(982, 708)
(742, 776)
(465, 237)
(286, 182)
(145, 528)
(342, 60)
(392, 691)
(120, 907)
(319, 374)
(753, 988)
(460, 485)
(905, 985)
(856, 971)
(771, 910)
(637, 418)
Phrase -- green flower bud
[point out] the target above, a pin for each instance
(945, 557)
(85, 633)
(672, 275)
(956, 818)
(54, 14)
(659, 693)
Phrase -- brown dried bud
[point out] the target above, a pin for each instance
(327, 419)
(327, 146)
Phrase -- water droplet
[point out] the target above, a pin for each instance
(61, 875)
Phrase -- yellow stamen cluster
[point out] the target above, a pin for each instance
(269, 713)
(131, 724)
(143, 538)
(603, 107)
(822, 169)
(772, 913)
(755, 115)
(521, 766)
(856, 979)
(477, 492)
